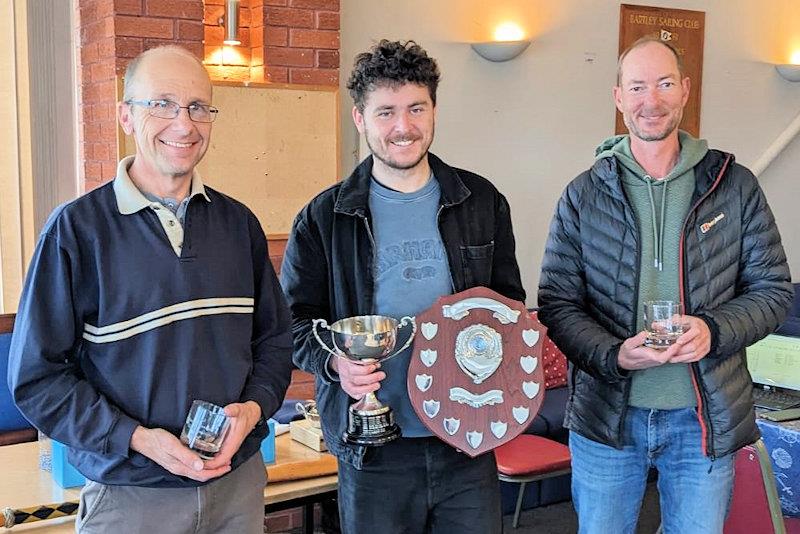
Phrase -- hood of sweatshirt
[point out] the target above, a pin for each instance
(692, 151)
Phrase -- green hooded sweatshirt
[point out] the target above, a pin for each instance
(660, 206)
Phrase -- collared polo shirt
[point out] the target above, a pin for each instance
(131, 200)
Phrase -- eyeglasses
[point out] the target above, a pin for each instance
(167, 109)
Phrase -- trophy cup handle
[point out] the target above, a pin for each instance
(403, 322)
(324, 324)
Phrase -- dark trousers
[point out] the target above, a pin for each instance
(420, 485)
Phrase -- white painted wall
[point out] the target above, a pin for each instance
(531, 124)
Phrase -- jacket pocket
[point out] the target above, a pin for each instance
(477, 264)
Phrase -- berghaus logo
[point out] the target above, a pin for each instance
(706, 226)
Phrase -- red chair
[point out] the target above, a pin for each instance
(528, 458)
(755, 507)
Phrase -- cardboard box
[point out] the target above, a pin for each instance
(307, 434)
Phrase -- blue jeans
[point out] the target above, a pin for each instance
(608, 484)
(420, 485)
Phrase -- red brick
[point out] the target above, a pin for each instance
(99, 92)
(102, 151)
(107, 48)
(328, 59)
(257, 37)
(244, 37)
(314, 38)
(176, 9)
(94, 171)
(127, 26)
(294, 18)
(327, 20)
(190, 30)
(322, 5)
(244, 16)
(314, 76)
(257, 55)
(109, 169)
(103, 70)
(97, 30)
(108, 131)
(212, 14)
(87, 14)
(128, 7)
(276, 2)
(89, 53)
(257, 17)
(109, 111)
(276, 36)
(106, 8)
(213, 35)
(289, 57)
(276, 74)
(91, 130)
(214, 2)
(129, 47)
(122, 64)
(195, 47)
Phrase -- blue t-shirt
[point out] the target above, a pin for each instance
(411, 272)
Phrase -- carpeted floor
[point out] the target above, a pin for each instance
(560, 518)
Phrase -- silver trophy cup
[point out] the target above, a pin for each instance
(367, 339)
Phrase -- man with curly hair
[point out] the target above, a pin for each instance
(404, 229)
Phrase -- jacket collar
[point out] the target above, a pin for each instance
(706, 171)
(353, 197)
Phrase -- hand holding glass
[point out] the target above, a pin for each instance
(205, 429)
(663, 320)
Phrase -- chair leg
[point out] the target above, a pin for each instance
(515, 523)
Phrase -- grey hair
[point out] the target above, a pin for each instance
(133, 66)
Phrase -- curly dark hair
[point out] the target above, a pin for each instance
(392, 64)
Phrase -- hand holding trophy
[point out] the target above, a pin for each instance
(367, 339)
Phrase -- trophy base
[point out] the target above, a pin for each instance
(371, 428)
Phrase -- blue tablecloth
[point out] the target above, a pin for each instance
(783, 444)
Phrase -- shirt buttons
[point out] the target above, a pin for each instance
(171, 222)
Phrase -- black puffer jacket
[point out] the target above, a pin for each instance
(733, 275)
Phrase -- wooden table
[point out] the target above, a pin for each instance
(23, 484)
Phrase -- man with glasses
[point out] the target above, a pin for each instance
(144, 295)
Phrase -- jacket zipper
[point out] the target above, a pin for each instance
(704, 425)
(372, 242)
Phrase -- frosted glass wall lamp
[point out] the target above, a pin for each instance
(790, 71)
(231, 22)
(509, 42)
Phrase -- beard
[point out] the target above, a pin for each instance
(384, 157)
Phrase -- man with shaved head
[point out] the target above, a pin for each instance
(659, 216)
(144, 295)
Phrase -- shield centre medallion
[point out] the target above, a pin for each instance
(479, 351)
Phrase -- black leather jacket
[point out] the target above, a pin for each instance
(327, 270)
(733, 275)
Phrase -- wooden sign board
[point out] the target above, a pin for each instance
(684, 30)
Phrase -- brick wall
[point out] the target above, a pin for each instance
(283, 41)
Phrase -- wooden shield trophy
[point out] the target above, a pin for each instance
(476, 377)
